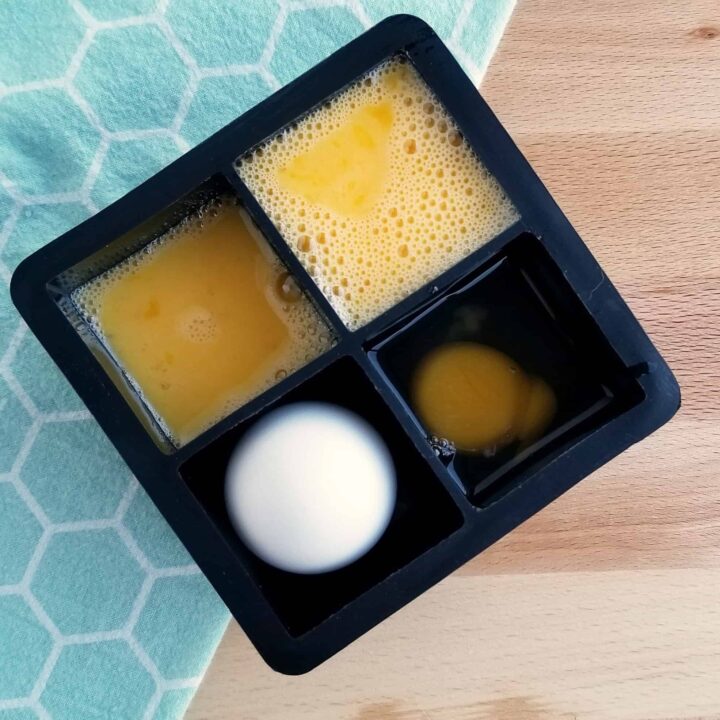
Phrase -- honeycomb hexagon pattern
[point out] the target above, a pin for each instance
(79, 603)
(96, 96)
(17, 539)
(26, 646)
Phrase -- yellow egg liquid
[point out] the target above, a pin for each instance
(479, 399)
(203, 319)
(377, 192)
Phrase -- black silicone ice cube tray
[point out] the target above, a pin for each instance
(446, 512)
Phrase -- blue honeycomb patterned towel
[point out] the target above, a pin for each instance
(102, 612)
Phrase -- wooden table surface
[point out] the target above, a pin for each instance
(606, 604)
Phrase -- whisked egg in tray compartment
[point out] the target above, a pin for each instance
(377, 192)
(346, 343)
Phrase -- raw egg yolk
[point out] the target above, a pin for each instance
(479, 398)
(538, 411)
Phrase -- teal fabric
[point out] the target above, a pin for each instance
(102, 612)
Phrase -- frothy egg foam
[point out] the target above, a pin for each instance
(377, 192)
(203, 319)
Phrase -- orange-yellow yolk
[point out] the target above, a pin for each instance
(479, 398)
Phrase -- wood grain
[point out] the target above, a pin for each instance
(606, 604)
